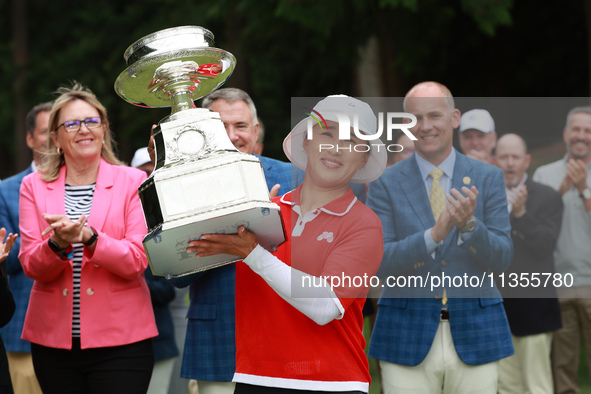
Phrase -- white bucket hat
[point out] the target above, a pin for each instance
(328, 108)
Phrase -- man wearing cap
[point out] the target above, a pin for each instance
(443, 215)
(210, 347)
(477, 135)
(141, 160)
(571, 177)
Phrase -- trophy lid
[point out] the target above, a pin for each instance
(172, 63)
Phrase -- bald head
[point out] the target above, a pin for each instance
(433, 106)
(512, 140)
(431, 89)
(512, 157)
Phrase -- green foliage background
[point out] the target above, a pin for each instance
(288, 48)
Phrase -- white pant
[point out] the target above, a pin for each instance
(207, 387)
(441, 371)
(161, 376)
(529, 370)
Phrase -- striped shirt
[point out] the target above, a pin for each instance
(78, 202)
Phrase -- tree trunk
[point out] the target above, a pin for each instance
(369, 71)
(19, 27)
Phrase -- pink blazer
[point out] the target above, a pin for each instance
(115, 305)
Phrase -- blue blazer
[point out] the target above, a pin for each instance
(162, 293)
(210, 346)
(20, 285)
(408, 317)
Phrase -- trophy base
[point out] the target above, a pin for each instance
(166, 246)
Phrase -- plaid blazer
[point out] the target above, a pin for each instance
(408, 317)
(20, 285)
(210, 346)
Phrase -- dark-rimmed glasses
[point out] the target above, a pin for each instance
(74, 125)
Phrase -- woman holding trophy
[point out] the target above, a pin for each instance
(90, 317)
(297, 329)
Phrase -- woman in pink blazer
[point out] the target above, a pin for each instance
(90, 317)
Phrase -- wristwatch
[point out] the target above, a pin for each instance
(55, 246)
(585, 194)
(469, 226)
(93, 236)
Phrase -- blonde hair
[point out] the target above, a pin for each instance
(53, 161)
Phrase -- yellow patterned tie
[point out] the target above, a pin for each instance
(436, 197)
(437, 201)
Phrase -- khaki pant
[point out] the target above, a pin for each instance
(161, 375)
(528, 371)
(441, 371)
(575, 307)
(207, 387)
(22, 373)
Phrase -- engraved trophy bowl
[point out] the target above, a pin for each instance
(201, 183)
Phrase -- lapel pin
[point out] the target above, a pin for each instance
(466, 180)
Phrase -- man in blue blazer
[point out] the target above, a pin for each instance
(443, 337)
(19, 350)
(210, 349)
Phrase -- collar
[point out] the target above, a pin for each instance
(105, 176)
(523, 180)
(565, 161)
(447, 166)
(337, 207)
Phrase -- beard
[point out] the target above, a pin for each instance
(578, 156)
(513, 181)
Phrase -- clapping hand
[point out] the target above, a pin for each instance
(6, 245)
(576, 170)
(460, 207)
(65, 231)
(576, 175)
(518, 198)
(458, 210)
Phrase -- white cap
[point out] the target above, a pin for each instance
(140, 157)
(293, 145)
(478, 119)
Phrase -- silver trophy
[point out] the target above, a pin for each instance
(201, 183)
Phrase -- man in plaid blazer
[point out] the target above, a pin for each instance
(19, 350)
(446, 337)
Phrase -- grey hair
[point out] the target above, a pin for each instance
(231, 95)
(31, 119)
(576, 110)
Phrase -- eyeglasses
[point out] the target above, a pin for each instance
(74, 125)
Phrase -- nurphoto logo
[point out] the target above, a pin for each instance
(345, 126)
